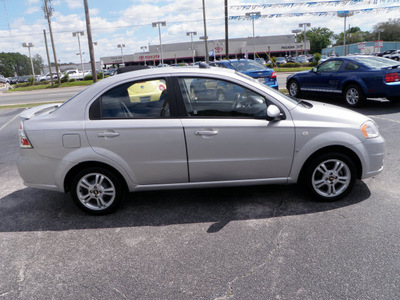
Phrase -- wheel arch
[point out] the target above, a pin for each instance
(361, 85)
(92, 164)
(338, 149)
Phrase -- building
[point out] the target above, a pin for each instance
(361, 48)
(265, 46)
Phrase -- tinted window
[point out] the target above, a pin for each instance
(144, 99)
(206, 97)
(351, 67)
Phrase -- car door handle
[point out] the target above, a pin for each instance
(206, 132)
(108, 134)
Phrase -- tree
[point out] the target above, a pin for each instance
(353, 35)
(319, 38)
(38, 63)
(391, 31)
(14, 63)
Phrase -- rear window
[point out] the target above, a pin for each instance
(376, 62)
(247, 65)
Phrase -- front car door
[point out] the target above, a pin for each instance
(135, 124)
(231, 139)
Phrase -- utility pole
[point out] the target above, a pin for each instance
(226, 31)
(48, 12)
(48, 56)
(205, 32)
(90, 41)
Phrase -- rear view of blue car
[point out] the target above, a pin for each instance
(250, 68)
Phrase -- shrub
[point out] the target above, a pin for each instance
(290, 65)
(317, 57)
(65, 78)
(72, 80)
(31, 80)
(100, 75)
(88, 77)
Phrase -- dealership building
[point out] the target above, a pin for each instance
(264, 46)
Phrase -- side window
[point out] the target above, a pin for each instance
(144, 99)
(351, 67)
(207, 97)
(330, 66)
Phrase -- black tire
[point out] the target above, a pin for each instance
(96, 191)
(354, 96)
(294, 88)
(329, 177)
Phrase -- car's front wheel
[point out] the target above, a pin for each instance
(294, 88)
(330, 176)
(96, 191)
(353, 96)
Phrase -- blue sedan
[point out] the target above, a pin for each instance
(250, 68)
(355, 78)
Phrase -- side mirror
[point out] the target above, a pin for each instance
(273, 112)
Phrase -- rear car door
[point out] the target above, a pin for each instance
(231, 139)
(135, 124)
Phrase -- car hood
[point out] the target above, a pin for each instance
(328, 113)
(300, 73)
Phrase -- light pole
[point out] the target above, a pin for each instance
(144, 49)
(159, 24)
(379, 30)
(296, 31)
(345, 14)
(304, 25)
(191, 33)
(252, 16)
(78, 34)
(29, 45)
(122, 52)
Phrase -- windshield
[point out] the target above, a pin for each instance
(247, 65)
(376, 62)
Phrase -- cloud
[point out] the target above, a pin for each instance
(73, 4)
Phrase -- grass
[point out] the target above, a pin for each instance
(49, 86)
(292, 69)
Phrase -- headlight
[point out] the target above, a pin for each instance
(370, 130)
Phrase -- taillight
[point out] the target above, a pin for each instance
(23, 139)
(392, 77)
(273, 75)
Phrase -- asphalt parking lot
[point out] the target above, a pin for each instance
(264, 242)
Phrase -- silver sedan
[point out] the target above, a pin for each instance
(165, 128)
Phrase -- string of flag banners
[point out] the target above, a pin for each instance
(334, 3)
(320, 13)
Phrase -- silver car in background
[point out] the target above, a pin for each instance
(151, 129)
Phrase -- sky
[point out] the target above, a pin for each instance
(129, 22)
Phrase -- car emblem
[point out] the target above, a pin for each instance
(142, 86)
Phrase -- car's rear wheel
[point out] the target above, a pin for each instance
(354, 96)
(96, 191)
(294, 88)
(330, 176)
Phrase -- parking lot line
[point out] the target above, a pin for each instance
(5, 125)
